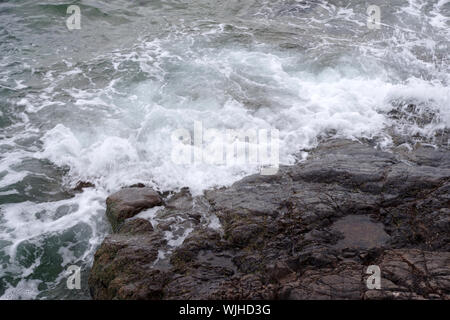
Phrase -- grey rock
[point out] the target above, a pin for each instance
(308, 232)
(360, 232)
(128, 202)
(123, 264)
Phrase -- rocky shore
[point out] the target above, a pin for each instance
(308, 232)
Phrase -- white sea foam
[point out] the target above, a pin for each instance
(302, 105)
(24, 290)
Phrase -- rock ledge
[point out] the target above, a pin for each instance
(308, 232)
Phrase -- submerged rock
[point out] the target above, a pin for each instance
(308, 232)
(83, 185)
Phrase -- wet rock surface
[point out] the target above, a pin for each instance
(308, 232)
(128, 202)
(123, 264)
(360, 232)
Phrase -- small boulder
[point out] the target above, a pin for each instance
(128, 202)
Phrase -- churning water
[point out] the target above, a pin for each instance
(99, 104)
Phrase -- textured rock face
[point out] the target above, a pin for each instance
(308, 232)
(123, 264)
(128, 202)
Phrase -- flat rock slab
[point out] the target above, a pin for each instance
(128, 202)
(360, 232)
